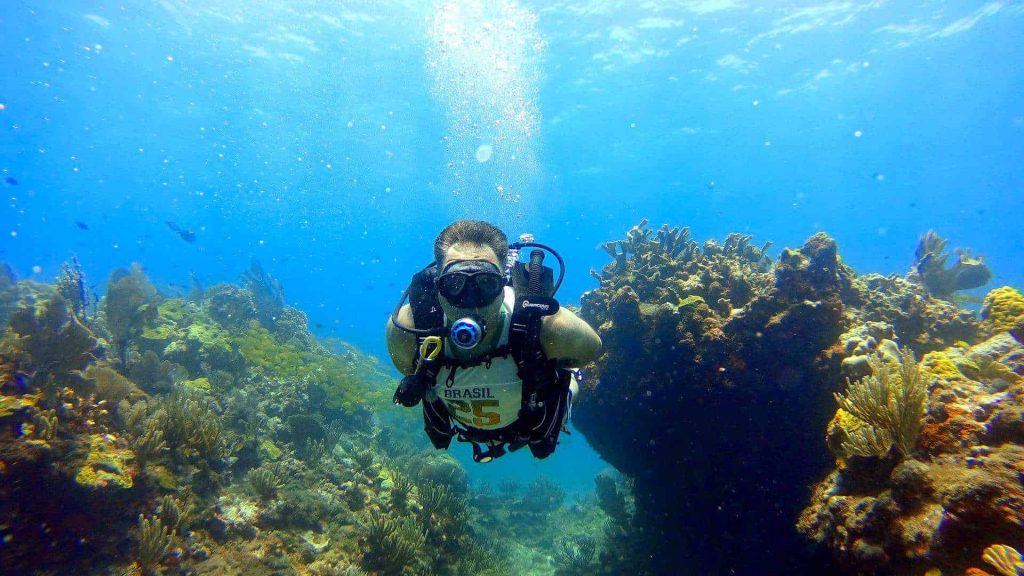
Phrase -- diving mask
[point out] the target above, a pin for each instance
(470, 283)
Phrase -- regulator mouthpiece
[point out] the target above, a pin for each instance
(466, 333)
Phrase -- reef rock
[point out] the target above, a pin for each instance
(689, 385)
(962, 491)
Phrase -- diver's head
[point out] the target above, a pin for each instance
(471, 238)
(470, 283)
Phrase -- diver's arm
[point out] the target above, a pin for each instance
(401, 344)
(569, 339)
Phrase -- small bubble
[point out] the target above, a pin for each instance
(632, 124)
(484, 153)
(170, 58)
(14, 233)
(37, 269)
(857, 133)
(756, 103)
(349, 125)
(767, 142)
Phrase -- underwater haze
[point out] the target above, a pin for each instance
(194, 159)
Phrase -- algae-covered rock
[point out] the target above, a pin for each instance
(230, 306)
(107, 465)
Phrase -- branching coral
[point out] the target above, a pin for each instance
(942, 282)
(130, 307)
(393, 544)
(265, 482)
(175, 514)
(891, 404)
(671, 267)
(191, 426)
(72, 286)
(401, 488)
(575, 554)
(267, 293)
(154, 543)
(55, 340)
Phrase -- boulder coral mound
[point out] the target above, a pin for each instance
(719, 379)
(710, 391)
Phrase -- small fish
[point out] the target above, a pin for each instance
(186, 235)
(19, 381)
(81, 225)
(11, 181)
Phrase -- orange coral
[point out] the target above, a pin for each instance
(957, 430)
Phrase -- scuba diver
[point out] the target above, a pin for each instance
(485, 346)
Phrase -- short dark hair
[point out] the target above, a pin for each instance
(471, 232)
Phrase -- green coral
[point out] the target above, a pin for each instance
(1003, 308)
(106, 465)
(209, 337)
(170, 316)
(339, 379)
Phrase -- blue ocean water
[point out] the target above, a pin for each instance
(332, 140)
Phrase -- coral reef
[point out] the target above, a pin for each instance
(713, 349)
(962, 488)
(723, 338)
(198, 440)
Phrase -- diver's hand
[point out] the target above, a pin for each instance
(409, 392)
